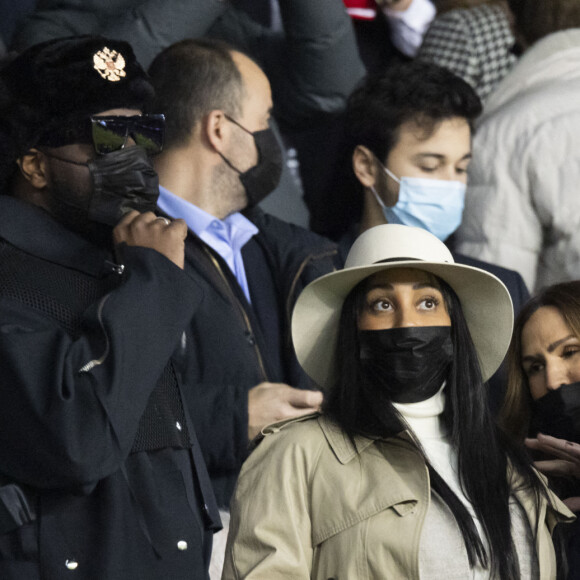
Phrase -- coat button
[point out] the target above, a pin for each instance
(178, 425)
(182, 545)
(71, 564)
(250, 338)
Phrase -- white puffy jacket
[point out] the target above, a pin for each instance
(523, 202)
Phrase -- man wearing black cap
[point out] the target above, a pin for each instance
(100, 473)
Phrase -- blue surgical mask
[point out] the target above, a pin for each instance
(436, 205)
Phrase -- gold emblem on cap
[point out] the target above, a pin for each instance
(109, 64)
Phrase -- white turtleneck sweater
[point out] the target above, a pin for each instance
(442, 551)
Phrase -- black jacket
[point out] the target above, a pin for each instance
(100, 468)
(235, 345)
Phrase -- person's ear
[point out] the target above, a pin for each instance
(364, 166)
(33, 166)
(217, 130)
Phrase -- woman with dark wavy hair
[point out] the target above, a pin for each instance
(404, 474)
(543, 396)
(544, 361)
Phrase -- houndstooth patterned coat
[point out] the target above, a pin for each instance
(474, 43)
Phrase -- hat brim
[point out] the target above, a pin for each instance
(485, 301)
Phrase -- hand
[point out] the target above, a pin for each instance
(149, 231)
(568, 464)
(271, 402)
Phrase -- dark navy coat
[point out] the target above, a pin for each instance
(100, 471)
(235, 345)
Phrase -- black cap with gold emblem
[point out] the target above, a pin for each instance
(57, 83)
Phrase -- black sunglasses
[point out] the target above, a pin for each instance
(111, 133)
(108, 134)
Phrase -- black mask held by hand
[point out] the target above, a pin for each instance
(410, 364)
(558, 413)
(123, 180)
(264, 177)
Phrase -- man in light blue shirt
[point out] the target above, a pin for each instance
(221, 158)
(227, 237)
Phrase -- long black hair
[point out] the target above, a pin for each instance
(484, 453)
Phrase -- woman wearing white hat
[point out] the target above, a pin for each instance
(404, 475)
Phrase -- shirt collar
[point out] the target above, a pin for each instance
(199, 221)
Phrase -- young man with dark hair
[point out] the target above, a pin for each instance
(411, 123)
(101, 471)
(409, 136)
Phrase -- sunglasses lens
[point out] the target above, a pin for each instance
(111, 133)
(148, 132)
(108, 135)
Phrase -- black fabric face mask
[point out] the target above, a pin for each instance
(264, 177)
(558, 413)
(410, 364)
(123, 180)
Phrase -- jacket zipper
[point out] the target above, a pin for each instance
(242, 312)
(99, 361)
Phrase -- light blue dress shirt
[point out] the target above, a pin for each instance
(227, 237)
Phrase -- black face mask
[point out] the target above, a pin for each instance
(264, 177)
(558, 413)
(410, 364)
(122, 181)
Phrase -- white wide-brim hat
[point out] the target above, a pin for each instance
(485, 300)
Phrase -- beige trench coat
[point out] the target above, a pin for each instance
(309, 505)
